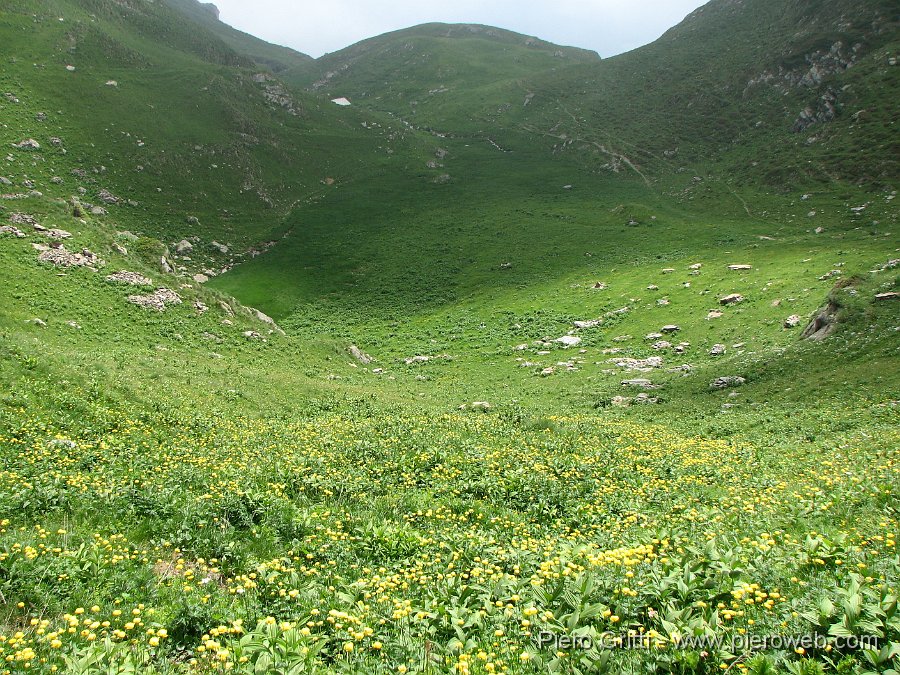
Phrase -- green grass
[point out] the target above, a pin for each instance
(177, 497)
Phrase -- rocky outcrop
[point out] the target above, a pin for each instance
(727, 382)
(569, 341)
(14, 231)
(822, 324)
(129, 278)
(359, 355)
(640, 383)
(60, 257)
(156, 300)
(183, 247)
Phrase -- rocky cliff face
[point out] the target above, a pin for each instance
(211, 8)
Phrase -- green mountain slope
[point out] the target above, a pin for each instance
(408, 66)
(774, 91)
(180, 123)
(264, 54)
(538, 363)
(767, 91)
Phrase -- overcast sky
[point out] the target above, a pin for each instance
(607, 26)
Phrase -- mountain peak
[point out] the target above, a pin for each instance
(212, 9)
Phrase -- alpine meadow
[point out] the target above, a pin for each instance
(452, 352)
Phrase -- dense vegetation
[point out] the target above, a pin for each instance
(188, 487)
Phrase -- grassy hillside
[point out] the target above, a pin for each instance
(774, 92)
(508, 414)
(266, 55)
(737, 96)
(403, 66)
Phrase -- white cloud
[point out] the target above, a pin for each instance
(606, 26)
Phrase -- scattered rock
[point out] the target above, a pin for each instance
(714, 314)
(830, 275)
(121, 250)
(156, 300)
(717, 350)
(265, 318)
(671, 328)
(732, 299)
(740, 268)
(891, 295)
(221, 248)
(130, 278)
(626, 401)
(661, 344)
(38, 322)
(546, 372)
(27, 144)
(653, 336)
(652, 287)
(63, 258)
(200, 278)
(696, 266)
(481, 405)
(254, 335)
(183, 246)
(569, 341)
(165, 266)
(662, 302)
(98, 211)
(600, 286)
(792, 321)
(726, 382)
(639, 365)
(668, 270)
(592, 323)
(57, 234)
(640, 383)
(107, 197)
(23, 219)
(200, 307)
(359, 355)
(14, 231)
